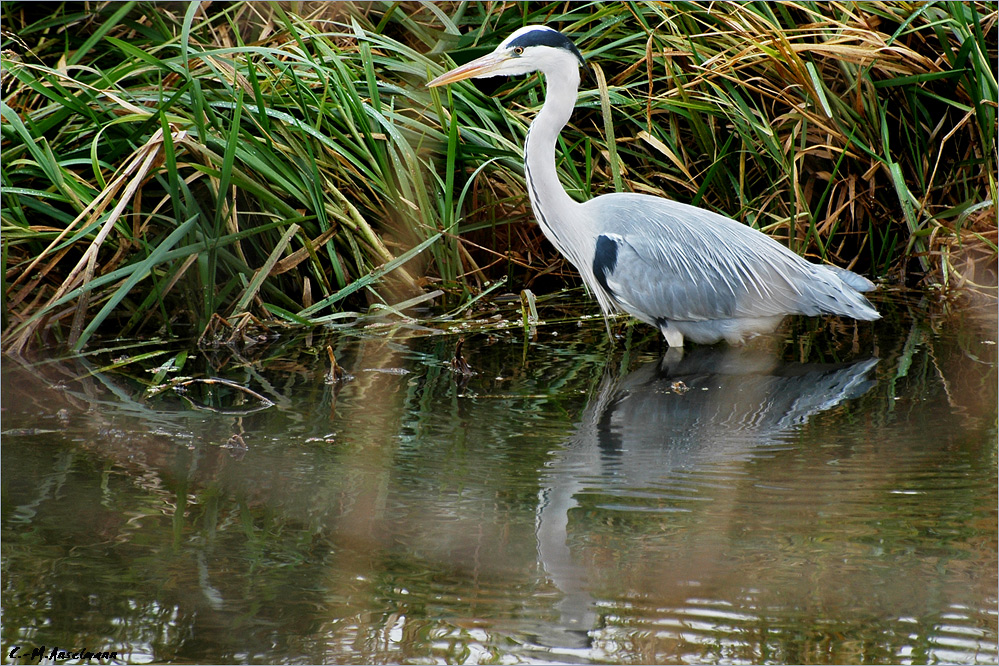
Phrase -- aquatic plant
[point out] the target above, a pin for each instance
(163, 166)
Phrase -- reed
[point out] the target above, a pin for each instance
(163, 165)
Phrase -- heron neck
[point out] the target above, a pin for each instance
(548, 198)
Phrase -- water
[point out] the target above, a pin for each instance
(827, 496)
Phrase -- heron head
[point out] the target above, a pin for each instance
(529, 49)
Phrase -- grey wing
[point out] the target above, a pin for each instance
(678, 262)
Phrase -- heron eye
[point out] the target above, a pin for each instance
(519, 50)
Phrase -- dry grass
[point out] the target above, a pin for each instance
(166, 164)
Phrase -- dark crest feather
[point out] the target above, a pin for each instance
(552, 38)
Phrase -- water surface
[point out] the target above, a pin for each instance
(825, 496)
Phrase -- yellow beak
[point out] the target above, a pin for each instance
(478, 67)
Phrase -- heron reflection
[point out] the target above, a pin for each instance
(644, 431)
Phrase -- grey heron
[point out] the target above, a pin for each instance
(692, 273)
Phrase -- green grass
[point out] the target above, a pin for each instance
(160, 169)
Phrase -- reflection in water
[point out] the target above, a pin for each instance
(669, 417)
(720, 507)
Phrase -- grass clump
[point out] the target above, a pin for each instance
(221, 175)
(164, 166)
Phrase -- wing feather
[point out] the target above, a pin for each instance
(682, 263)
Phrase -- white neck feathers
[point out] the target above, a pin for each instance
(552, 204)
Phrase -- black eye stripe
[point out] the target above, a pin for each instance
(542, 37)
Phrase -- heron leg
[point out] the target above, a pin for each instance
(674, 338)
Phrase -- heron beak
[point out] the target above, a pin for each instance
(479, 67)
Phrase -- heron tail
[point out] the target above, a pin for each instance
(852, 280)
(842, 294)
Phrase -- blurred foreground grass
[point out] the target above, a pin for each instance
(192, 169)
